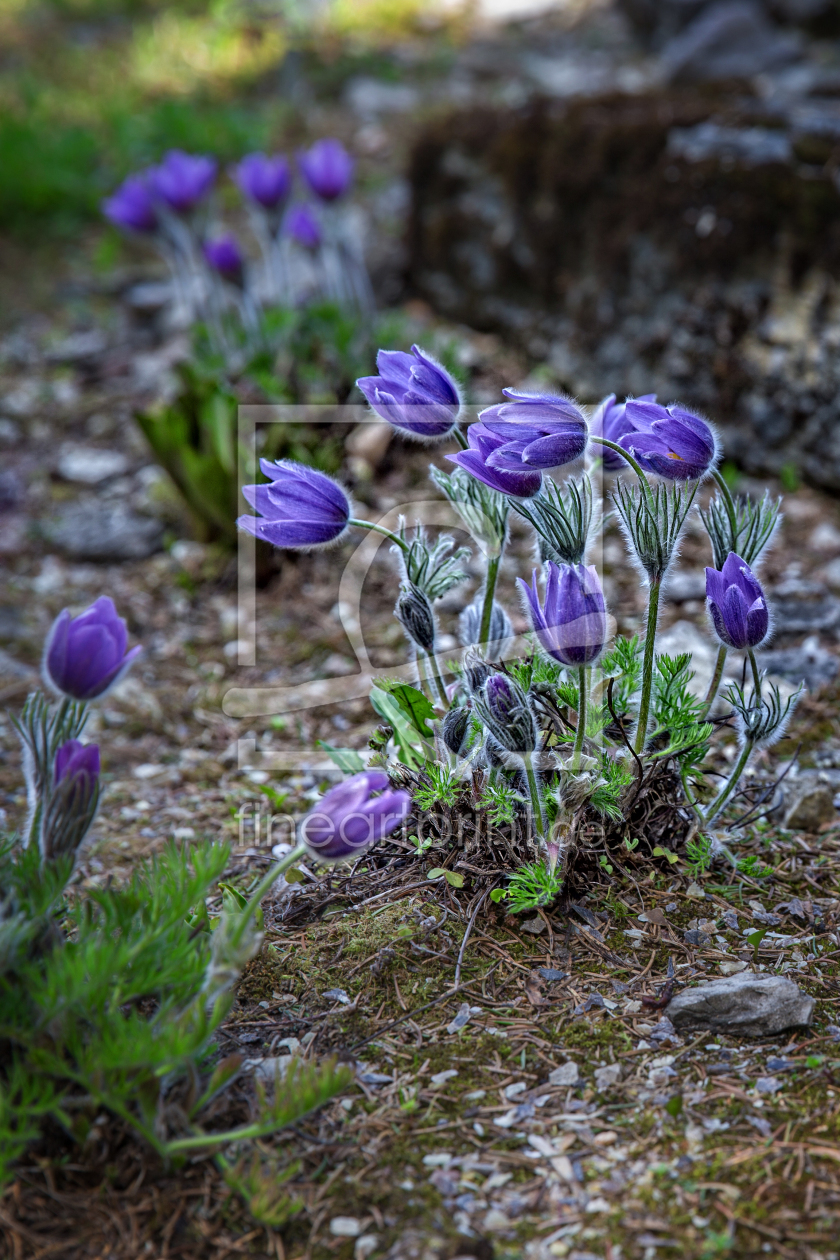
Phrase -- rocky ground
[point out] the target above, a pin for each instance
(535, 1106)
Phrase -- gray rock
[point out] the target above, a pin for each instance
(79, 347)
(747, 146)
(747, 1004)
(810, 663)
(90, 530)
(88, 465)
(793, 614)
(731, 39)
(681, 586)
(369, 97)
(810, 807)
(565, 1074)
(150, 296)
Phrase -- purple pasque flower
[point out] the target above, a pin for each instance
(669, 441)
(265, 180)
(300, 508)
(536, 431)
(414, 393)
(327, 168)
(131, 207)
(182, 179)
(75, 759)
(610, 421)
(571, 623)
(303, 226)
(737, 605)
(85, 655)
(224, 256)
(353, 815)
(479, 460)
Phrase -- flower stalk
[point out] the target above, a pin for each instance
(647, 665)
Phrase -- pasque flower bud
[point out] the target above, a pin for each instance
(503, 707)
(86, 655)
(454, 728)
(71, 806)
(571, 624)
(414, 393)
(353, 815)
(300, 508)
(414, 613)
(737, 606)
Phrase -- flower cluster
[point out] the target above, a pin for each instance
(306, 247)
(536, 724)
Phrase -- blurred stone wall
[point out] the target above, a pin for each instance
(684, 241)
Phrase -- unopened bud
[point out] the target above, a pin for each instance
(453, 730)
(414, 613)
(504, 709)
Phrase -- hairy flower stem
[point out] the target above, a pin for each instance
(580, 733)
(593, 437)
(728, 788)
(534, 793)
(439, 687)
(380, 529)
(715, 683)
(756, 673)
(458, 435)
(647, 667)
(489, 595)
(264, 885)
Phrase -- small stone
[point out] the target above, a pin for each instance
(767, 1084)
(88, 465)
(345, 1227)
(440, 1159)
(732, 968)
(366, 1244)
(749, 1004)
(535, 925)
(91, 530)
(696, 938)
(337, 995)
(606, 1077)
(565, 1074)
(496, 1221)
(694, 890)
(78, 347)
(813, 806)
(825, 538)
(810, 663)
(440, 1078)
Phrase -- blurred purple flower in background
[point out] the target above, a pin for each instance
(266, 180)
(131, 207)
(182, 179)
(669, 441)
(413, 393)
(86, 655)
(302, 224)
(610, 421)
(536, 431)
(483, 445)
(327, 168)
(225, 256)
(351, 816)
(571, 624)
(300, 508)
(737, 605)
(75, 759)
